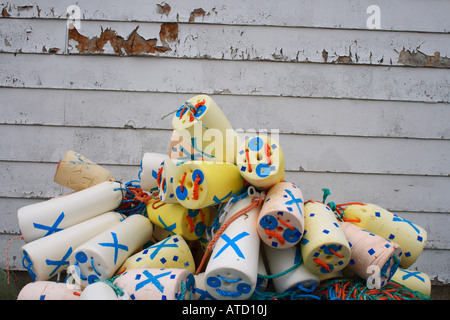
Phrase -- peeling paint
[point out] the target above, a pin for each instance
(199, 12)
(135, 44)
(5, 13)
(417, 58)
(163, 8)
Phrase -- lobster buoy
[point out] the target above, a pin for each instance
(409, 236)
(281, 222)
(100, 257)
(77, 172)
(44, 218)
(325, 248)
(151, 164)
(48, 290)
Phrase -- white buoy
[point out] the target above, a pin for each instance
(232, 270)
(98, 291)
(47, 256)
(100, 257)
(44, 218)
(151, 164)
(48, 290)
(166, 182)
(282, 260)
(157, 284)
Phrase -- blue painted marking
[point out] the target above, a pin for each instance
(232, 243)
(198, 173)
(263, 170)
(81, 257)
(294, 200)
(292, 236)
(157, 247)
(181, 194)
(59, 263)
(255, 144)
(268, 222)
(400, 219)
(218, 201)
(166, 227)
(411, 274)
(53, 228)
(244, 288)
(153, 280)
(116, 245)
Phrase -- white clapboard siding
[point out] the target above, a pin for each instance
(241, 78)
(314, 116)
(404, 15)
(231, 42)
(361, 112)
(311, 153)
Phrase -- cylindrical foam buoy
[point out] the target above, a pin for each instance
(325, 248)
(46, 257)
(281, 222)
(200, 291)
(150, 165)
(201, 184)
(282, 260)
(261, 161)
(76, 172)
(44, 218)
(173, 217)
(100, 257)
(232, 270)
(98, 291)
(413, 280)
(172, 252)
(157, 284)
(409, 236)
(372, 256)
(202, 123)
(48, 290)
(166, 181)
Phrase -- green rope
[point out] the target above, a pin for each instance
(281, 273)
(326, 193)
(115, 287)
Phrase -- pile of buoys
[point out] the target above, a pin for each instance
(213, 218)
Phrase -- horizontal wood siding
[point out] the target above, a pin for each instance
(362, 112)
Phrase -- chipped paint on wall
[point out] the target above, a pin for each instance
(417, 58)
(133, 44)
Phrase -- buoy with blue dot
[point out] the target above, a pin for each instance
(157, 284)
(372, 257)
(99, 291)
(200, 184)
(281, 220)
(204, 126)
(46, 257)
(324, 247)
(166, 181)
(260, 161)
(150, 166)
(47, 217)
(100, 257)
(408, 235)
(414, 280)
(289, 265)
(177, 219)
(231, 273)
(172, 252)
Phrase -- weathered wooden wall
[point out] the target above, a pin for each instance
(362, 112)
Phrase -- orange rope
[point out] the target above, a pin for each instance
(286, 224)
(182, 181)
(267, 148)
(256, 201)
(195, 191)
(276, 235)
(158, 178)
(191, 223)
(336, 254)
(7, 250)
(248, 161)
(158, 201)
(322, 264)
(350, 203)
(202, 216)
(182, 112)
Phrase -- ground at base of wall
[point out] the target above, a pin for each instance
(18, 279)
